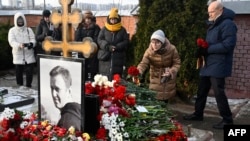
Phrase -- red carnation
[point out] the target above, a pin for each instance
(133, 71)
(101, 133)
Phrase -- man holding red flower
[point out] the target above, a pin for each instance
(221, 38)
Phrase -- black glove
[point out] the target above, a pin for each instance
(30, 46)
(49, 33)
(200, 52)
(26, 44)
(203, 51)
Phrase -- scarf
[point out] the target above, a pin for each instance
(113, 27)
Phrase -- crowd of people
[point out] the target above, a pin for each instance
(161, 57)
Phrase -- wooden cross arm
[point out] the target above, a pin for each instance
(87, 47)
(49, 45)
(75, 17)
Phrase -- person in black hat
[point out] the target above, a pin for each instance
(88, 28)
(45, 28)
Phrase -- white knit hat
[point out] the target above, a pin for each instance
(159, 35)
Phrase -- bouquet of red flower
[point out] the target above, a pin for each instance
(202, 44)
(134, 73)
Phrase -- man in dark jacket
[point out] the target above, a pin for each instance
(60, 83)
(221, 38)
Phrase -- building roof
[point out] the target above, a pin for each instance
(39, 12)
(239, 7)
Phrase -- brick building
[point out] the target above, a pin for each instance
(237, 86)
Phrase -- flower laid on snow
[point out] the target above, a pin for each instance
(121, 118)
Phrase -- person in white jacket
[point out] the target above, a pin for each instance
(22, 40)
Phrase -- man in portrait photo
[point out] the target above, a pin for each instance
(60, 92)
(60, 84)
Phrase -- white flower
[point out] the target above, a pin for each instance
(109, 84)
(93, 84)
(24, 124)
(104, 78)
(113, 131)
(126, 135)
(27, 114)
(118, 137)
(97, 77)
(113, 124)
(8, 113)
(113, 116)
(121, 124)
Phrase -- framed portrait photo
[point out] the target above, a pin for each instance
(61, 90)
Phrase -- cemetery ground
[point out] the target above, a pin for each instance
(200, 130)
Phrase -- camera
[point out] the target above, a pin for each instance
(26, 44)
(164, 79)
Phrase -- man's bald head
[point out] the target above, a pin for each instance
(215, 9)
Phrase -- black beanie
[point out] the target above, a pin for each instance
(46, 13)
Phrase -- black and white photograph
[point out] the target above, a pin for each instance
(61, 94)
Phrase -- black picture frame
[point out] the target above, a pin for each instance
(46, 107)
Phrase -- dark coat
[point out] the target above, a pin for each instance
(87, 31)
(221, 38)
(119, 39)
(91, 64)
(41, 31)
(71, 116)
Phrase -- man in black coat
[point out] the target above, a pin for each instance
(221, 38)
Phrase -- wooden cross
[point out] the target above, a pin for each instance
(67, 45)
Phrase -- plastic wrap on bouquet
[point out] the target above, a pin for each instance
(200, 62)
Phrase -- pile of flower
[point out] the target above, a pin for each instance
(23, 126)
(121, 120)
